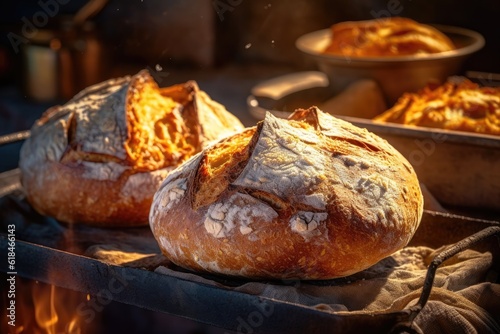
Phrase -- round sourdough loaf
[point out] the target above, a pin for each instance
(311, 197)
(100, 158)
(386, 37)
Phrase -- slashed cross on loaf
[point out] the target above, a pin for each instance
(311, 197)
(109, 148)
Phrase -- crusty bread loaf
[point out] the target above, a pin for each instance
(311, 197)
(99, 158)
(393, 36)
(458, 104)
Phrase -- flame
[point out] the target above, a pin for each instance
(46, 309)
(46, 317)
(51, 315)
(54, 312)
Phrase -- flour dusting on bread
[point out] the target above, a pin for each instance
(312, 197)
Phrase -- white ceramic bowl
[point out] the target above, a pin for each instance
(395, 75)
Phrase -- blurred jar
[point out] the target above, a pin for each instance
(58, 63)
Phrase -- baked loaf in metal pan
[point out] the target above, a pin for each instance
(458, 104)
(386, 37)
(311, 197)
(100, 158)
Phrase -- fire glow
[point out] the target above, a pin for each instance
(50, 318)
(46, 309)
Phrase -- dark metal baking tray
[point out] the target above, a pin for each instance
(42, 254)
(460, 169)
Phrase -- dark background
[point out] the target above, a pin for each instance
(227, 52)
(180, 35)
(190, 32)
(227, 46)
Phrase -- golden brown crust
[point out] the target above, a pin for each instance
(312, 197)
(107, 202)
(395, 36)
(100, 158)
(459, 105)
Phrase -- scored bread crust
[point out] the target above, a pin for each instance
(311, 197)
(394, 36)
(100, 158)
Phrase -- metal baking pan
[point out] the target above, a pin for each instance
(42, 254)
(461, 170)
(47, 250)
